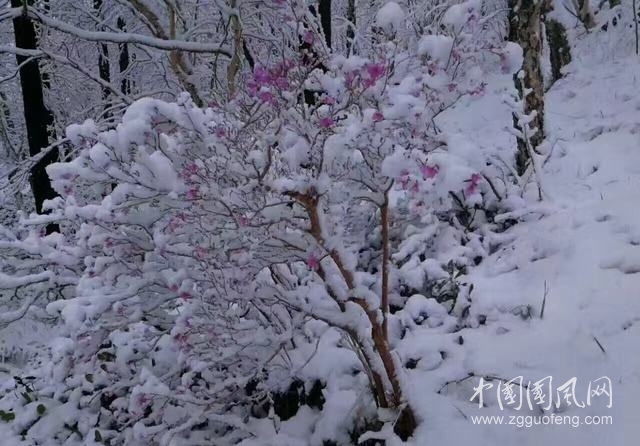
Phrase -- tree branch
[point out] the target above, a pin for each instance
(113, 37)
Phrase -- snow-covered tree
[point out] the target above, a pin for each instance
(213, 243)
(207, 254)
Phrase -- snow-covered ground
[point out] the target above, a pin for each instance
(581, 248)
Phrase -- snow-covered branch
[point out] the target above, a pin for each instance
(117, 37)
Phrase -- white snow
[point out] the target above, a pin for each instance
(390, 16)
(556, 294)
(584, 255)
(437, 47)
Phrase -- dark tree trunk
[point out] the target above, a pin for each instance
(324, 11)
(37, 117)
(560, 52)
(524, 29)
(123, 61)
(104, 68)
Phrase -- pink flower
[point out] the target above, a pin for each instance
(377, 117)
(470, 189)
(176, 222)
(252, 88)
(243, 221)
(374, 72)
(220, 132)
(182, 340)
(281, 82)
(192, 194)
(404, 179)
(329, 100)
(261, 76)
(313, 262)
(185, 296)
(144, 399)
(326, 123)
(201, 252)
(429, 171)
(479, 90)
(266, 97)
(474, 181)
(308, 37)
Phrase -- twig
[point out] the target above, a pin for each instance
(599, 345)
(544, 300)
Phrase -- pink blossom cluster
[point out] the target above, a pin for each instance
(266, 81)
(368, 76)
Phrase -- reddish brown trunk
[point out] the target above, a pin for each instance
(406, 423)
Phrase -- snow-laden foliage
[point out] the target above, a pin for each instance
(216, 253)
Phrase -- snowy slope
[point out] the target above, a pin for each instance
(581, 245)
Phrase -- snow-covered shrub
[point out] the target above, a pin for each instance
(232, 254)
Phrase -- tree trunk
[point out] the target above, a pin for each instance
(38, 118)
(238, 46)
(351, 26)
(104, 68)
(560, 52)
(123, 61)
(324, 11)
(524, 29)
(104, 65)
(179, 65)
(381, 354)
